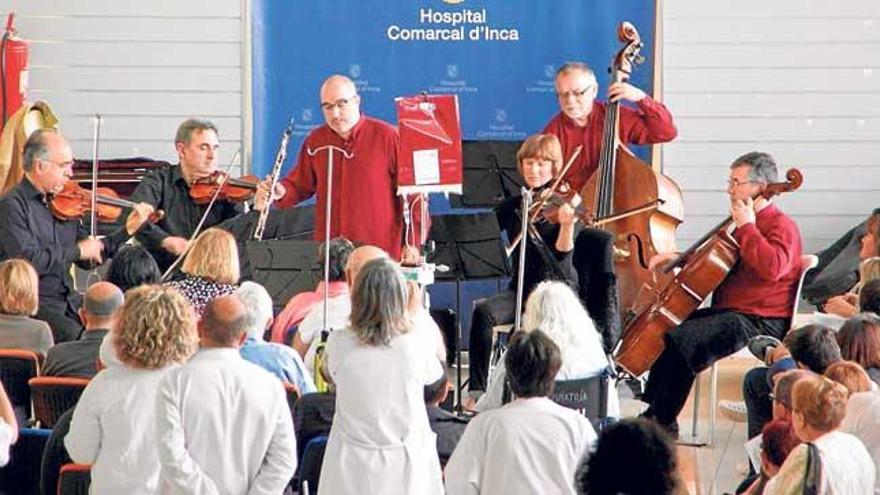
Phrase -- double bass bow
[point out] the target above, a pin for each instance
(704, 266)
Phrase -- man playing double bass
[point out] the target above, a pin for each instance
(755, 298)
(580, 123)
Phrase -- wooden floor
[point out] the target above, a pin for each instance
(717, 468)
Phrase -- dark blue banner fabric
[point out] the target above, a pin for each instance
(498, 56)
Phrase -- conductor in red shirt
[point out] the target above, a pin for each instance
(755, 298)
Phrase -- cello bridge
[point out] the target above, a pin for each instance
(621, 253)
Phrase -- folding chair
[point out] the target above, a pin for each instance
(53, 395)
(17, 366)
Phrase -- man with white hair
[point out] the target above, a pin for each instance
(280, 360)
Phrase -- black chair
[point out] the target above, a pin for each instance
(22, 475)
(55, 455)
(52, 396)
(17, 366)
(310, 469)
(312, 417)
(75, 479)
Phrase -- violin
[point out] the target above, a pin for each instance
(73, 201)
(552, 199)
(232, 189)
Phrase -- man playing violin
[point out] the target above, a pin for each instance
(30, 231)
(364, 207)
(755, 299)
(548, 257)
(168, 189)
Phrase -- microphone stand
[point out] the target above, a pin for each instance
(327, 210)
(521, 272)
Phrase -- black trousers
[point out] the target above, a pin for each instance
(499, 309)
(707, 336)
(64, 322)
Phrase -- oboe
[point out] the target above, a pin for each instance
(276, 172)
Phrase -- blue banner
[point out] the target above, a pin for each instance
(498, 56)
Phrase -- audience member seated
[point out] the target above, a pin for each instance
(845, 305)
(8, 426)
(114, 423)
(210, 268)
(862, 416)
(132, 266)
(308, 338)
(447, 426)
(829, 460)
(851, 375)
(99, 314)
(869, 297)
(778, 439)
(18, 303)
(531, 445)
(556, 310)
(301, 304)
(380, 441)
(859, 341)
(636, 457)
(280, 360)
(223, 423)
(813, 347)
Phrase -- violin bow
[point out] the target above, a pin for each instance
(201, 223)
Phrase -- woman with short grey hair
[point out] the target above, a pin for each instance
(381, 441)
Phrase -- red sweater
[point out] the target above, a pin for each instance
(764, 281)
(650, 123)
(365, 208)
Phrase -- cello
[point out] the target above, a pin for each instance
(639, 206)
(704, 266)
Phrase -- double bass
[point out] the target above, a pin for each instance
(641, 207)
(704, 266)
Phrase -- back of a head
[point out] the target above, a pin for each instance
(435, 392)
(340, 249)
(786, 382)
(822, 402)
(850, 375)
(223, 322)
(557, 311)
(531, 362)
(379, 303)
(814, 346)
(101, 302)
(632, 457)
(132, 266)
(360, 257)
(19, 288)
(869, 269)
(869, 297)
(156, 327)
(214, 256)
(778, 440)
(258, 306)
(859, 340)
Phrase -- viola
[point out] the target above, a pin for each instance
(74, 201)
(236, 190)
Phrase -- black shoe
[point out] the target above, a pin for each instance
(670, 428)
(760, 345)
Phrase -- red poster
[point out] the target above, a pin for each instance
(429, 158)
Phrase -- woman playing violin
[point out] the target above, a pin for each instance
(549, 255)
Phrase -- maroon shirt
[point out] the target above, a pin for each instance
(765, 280)
(650, 123)
(365, 208)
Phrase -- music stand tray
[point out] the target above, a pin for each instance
(490, 173)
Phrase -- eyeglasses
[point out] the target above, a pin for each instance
(61, 164)
(774, 398)
(577, 93)
(341, 104)
(733, 183)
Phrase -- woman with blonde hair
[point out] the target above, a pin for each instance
(113, 425)
(829, 460)
(19, 300)
(380, 441)
(555, 309)
(210, 268)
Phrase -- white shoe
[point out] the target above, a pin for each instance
(733, 410)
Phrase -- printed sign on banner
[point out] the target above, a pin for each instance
(429, 155)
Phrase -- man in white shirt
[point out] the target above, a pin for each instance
(223, 423)
(531, 445)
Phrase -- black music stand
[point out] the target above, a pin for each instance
(490, 173)
(286, 262)
(470, 245)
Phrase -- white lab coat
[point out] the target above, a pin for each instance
(863, 420)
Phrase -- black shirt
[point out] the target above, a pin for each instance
(165, 189)
(541, 264)
(28, 230)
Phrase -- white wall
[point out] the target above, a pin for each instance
(797, 78)
(144, 66)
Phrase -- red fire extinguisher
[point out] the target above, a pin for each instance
(13, 70)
